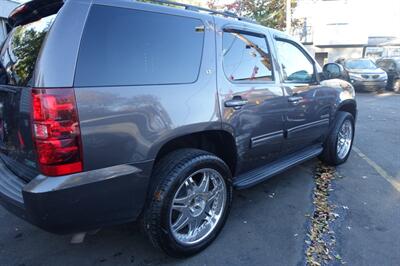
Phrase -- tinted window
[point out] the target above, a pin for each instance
(360, 64)
(131, 47)
(246, 57)
(386, 64)
(296, 67)
(20, 51)
(383, 64)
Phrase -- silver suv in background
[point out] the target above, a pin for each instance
(117, 110)
(365, 75)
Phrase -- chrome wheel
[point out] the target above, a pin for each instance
(344, 139)
(198, 206)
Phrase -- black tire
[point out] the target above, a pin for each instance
(330, 153)
(396, 86)
(169, 174)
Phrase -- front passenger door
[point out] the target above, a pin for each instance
(307, 113)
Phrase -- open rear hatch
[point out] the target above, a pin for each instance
(30, 24)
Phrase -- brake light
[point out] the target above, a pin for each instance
(56, 131)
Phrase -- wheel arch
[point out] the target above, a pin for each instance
(349, 106)
(219, 142)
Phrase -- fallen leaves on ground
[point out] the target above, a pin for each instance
(320, 239)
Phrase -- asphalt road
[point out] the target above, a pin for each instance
(268, 223)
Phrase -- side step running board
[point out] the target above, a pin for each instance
(265, 172)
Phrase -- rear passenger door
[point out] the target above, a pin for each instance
(250, 97)
(307, 108)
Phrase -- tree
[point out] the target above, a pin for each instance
(270, 13)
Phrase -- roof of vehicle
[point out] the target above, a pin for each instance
(199, 9)
(396, 58)
(358, 59)
(161, 4)
(180, 8)
(224, 15)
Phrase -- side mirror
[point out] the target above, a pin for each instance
(334, 71)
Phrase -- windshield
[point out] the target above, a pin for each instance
(360, 64)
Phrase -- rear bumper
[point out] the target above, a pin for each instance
(78, 202)
(369, 85)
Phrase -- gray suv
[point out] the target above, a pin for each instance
(365, 75)
(113, 111)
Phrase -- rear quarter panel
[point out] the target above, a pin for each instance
(129, 124)
(55, 67)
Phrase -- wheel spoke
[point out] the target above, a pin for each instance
(194, 223)
(190, 185)
(181, 222)
(205, 182)
(180, 208)
(214, 193)
(184, 201)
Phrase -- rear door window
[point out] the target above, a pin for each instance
(20, 51)
(246, 57)
(382, 64)
(123, 47)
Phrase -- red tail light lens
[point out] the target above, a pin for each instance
(56, 131)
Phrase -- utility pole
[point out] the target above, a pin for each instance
(288, 16)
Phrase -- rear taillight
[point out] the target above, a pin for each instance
(56, 131)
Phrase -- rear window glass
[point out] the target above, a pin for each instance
(131, 47)
(20, 51)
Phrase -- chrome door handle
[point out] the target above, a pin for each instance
(295, 99)
(236, 103)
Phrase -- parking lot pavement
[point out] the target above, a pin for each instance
(378, 130)
(368, 232)
(268, 223)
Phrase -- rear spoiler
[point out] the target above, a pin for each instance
(33, 10)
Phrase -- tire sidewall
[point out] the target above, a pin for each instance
(174, 247)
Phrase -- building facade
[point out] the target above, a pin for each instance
(333, 29)
(6, 6)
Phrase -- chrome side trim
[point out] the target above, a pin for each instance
(299, 128)
(262, 139)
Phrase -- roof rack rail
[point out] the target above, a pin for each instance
(199, 9)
